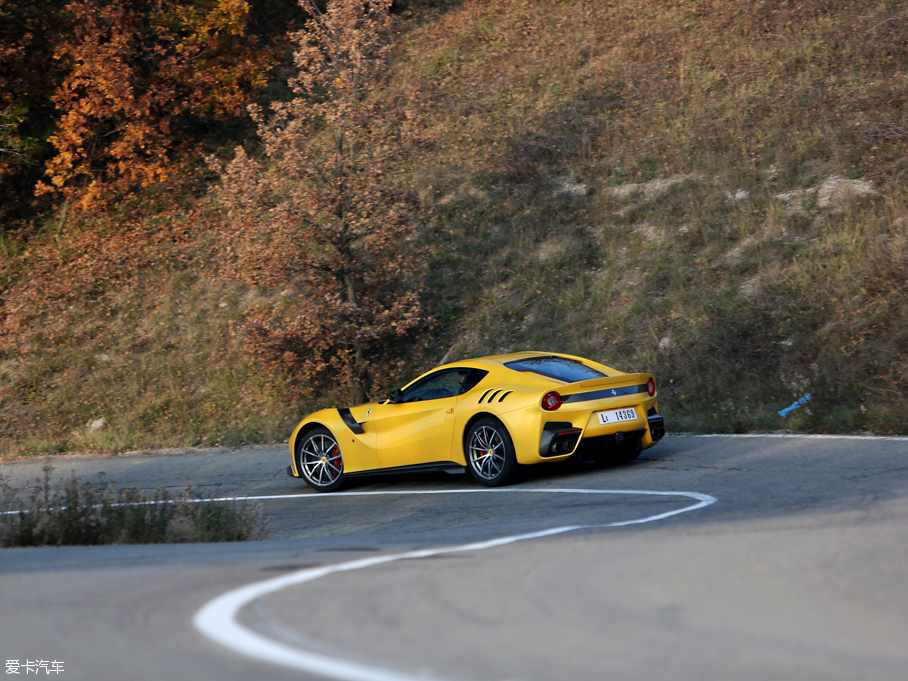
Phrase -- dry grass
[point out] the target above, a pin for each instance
(641, 182)
(154, 364)
(117, 336)
(685, 160)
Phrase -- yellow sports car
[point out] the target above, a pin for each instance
(490, 415)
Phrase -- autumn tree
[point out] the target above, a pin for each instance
(102, 96)
(28, 77)
(320, 211)
(132, 70)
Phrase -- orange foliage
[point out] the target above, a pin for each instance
(132, 70)
(321, 214)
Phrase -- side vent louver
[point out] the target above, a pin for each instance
(492, 394)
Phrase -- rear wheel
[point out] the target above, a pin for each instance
(319, 460)
(490, 453)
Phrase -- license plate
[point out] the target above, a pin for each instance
(617, 416)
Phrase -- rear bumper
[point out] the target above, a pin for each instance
(578, 423)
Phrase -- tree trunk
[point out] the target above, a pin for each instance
(359, 393)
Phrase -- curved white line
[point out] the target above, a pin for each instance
(217, 620)
(325, 495)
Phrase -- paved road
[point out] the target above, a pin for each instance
(798, 571)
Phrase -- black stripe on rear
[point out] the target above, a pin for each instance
(604, 394)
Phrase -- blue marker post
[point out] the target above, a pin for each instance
(797, 405)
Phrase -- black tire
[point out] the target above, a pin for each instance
(489, 452)
(319, 460)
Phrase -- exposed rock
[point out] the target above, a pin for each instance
(736, 255)
(550, 249)
(650, 232)
(95, 424)
(794, 200)
(652, 189)
(566, 186)
(834, 194)
(837, 192)
(751, 286)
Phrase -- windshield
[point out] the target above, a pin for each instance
(559, 368)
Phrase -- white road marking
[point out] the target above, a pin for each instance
(218, 619)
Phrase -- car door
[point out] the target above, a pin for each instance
(419, 428)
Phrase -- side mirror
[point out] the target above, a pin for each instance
(394, 397)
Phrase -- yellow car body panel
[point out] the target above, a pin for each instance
(432, 427)
(414, 433)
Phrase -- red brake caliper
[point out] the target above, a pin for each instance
(334, 456)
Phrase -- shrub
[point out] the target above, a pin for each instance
(80, 514)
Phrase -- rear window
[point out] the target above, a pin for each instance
(559, 368)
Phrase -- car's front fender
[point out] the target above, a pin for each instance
(358, 449)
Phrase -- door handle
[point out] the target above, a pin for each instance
(449, 410)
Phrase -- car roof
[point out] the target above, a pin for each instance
(499, 361)
(494, 360)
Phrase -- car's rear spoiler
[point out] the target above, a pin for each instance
(600, 388)
(610, 381)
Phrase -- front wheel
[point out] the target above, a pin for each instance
(319, 460)
(490, 453)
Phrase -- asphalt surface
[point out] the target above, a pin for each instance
(797, 571)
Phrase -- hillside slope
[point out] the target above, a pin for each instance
(707, 191)
(710, 191)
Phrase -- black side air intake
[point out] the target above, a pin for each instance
(558, 438)
(656, 427)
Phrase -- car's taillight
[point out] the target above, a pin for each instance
(650, 387)
(551, 401)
